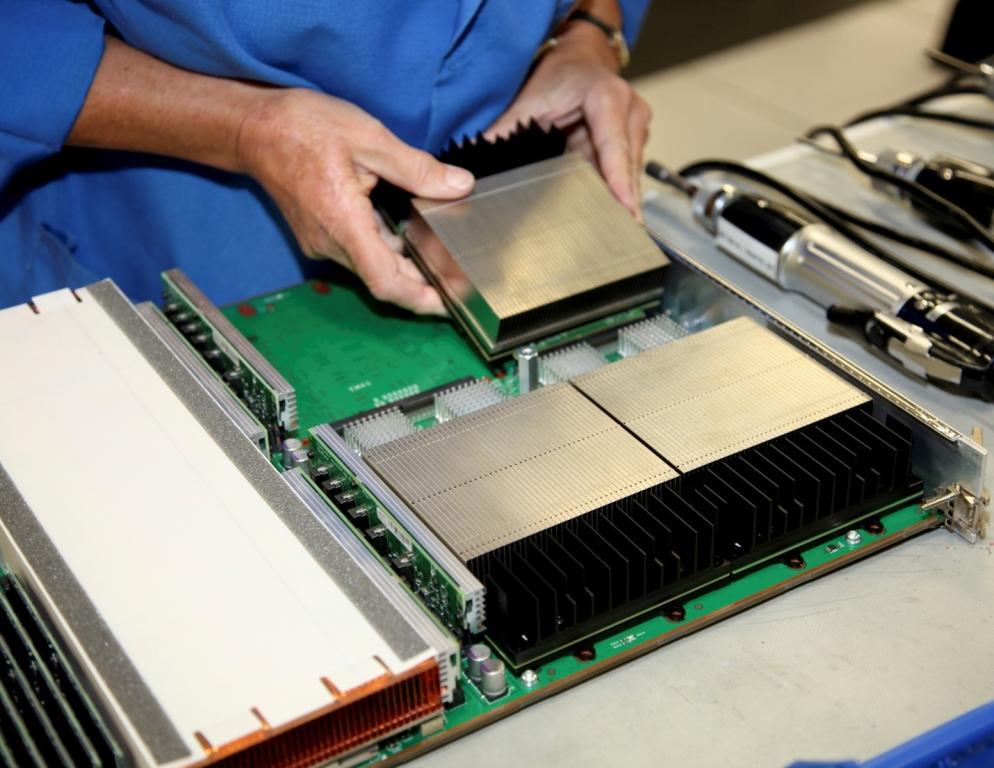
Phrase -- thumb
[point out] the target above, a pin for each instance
(418, 172)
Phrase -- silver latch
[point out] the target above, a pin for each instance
(966, 513)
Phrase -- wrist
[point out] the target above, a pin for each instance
(587, 41)
(260, 122)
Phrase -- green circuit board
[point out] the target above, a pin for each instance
(345, 353)
(821, 555)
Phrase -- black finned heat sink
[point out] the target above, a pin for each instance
(46, 717)
(526, 145)
(563, 583)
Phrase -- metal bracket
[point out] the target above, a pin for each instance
(966, 513)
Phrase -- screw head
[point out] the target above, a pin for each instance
(853, 538)
(529, 677)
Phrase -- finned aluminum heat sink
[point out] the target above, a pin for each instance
(535, 250)
(467, 398)
(649, 334)
(498, 475)
(371, 431)
(717, 392)
(565, 364)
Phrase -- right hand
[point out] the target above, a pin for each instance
(319, 157)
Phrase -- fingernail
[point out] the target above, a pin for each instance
(458, 178)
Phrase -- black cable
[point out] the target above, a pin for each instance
(926, 246)
(958, 84)
(923, 194)
(955, 87)
(921, 114)
(815, 207)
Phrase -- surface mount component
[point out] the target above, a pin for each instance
(717, 392)
(533, 251)
(236, 410)
(408, 531)
(214, 616)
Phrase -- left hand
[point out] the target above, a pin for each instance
(575, 86)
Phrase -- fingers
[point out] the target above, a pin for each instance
(618, 121)
(412, 169)
(639, 116)
(394, 242)
(606, 109)
(387, 274)
(578, 140)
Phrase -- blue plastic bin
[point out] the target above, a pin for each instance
(966, 742)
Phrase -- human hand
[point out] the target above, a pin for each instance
(319, 157)
(575, 87)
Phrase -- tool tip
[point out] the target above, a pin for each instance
(664, 175)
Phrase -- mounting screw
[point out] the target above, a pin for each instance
(853, 538)
(529, 677)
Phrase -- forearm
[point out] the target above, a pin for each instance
(142, 104)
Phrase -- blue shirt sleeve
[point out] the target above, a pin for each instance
(49, 52)
(632, 16)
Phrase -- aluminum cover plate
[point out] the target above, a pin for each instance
(500, 474)
(717, 392)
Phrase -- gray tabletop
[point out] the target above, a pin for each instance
(844, 667)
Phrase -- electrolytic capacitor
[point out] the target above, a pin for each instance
(475, 656)
(493, 682)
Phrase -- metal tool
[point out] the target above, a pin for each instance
(964, 183)
(983, 69)
(806, 256)
(924, 355)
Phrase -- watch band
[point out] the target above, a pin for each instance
(603, 26)
(614, 35)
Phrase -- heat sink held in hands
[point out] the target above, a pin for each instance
(533, 251)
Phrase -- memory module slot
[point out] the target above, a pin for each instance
(206, 377)
(268, 395)
(442, 580)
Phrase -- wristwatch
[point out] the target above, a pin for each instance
(615, 38)
(614, 35)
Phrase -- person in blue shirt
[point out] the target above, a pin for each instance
(232, 137)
